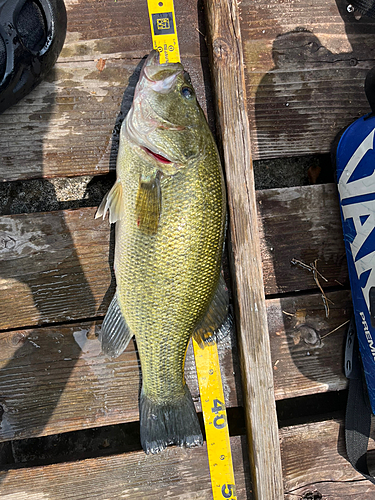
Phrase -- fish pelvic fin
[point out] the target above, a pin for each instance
(112, 201)
(169, 423)
(115, 334)
(218, 320)
(148, 205)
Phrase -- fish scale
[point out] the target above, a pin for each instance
(171, 255)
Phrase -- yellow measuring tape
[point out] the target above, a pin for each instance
(164, 30)
(164, 39)
(215, 421)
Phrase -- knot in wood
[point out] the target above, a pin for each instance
(18, 338)
(222, 49)
(7, 242)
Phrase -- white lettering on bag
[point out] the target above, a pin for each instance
(363, 215)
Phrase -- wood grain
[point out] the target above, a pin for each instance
(229, 83)
(56, 265)
(305, 68)
(175, 473)
(301, 223)
(64, 127)
(313, 457)
(307, 348)
(55, 379)
(314, 461)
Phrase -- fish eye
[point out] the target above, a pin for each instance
(187, 92)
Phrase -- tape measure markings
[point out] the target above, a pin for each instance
(164, 30)
(164, 39)
(215, 421)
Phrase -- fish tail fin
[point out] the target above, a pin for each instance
(169, 423)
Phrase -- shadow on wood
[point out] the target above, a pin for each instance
(298, 108)
(30, 247)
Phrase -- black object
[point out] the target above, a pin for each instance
(32, 33)
(358, 410)
(370, 89)
(365, 7)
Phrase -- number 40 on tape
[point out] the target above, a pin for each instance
(215, 421)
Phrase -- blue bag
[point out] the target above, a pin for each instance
(355, 167)
(355, 164)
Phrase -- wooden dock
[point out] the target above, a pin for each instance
(286, 78)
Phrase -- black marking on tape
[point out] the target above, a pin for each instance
(163, 23)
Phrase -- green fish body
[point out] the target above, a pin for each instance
(169, 206)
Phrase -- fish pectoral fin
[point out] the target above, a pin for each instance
(112, 201)
(148, 205)
(115, 334)
(218, 320)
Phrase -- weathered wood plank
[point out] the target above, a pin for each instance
(56, 266)
(229, 82)
(305, 68)
(314, 460)
(307, 358)
(175, 473)
(55, 379)
(106, 27)
(301, 223)
(64, 127)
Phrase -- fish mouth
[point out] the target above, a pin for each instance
(160, 82)
(158, 157)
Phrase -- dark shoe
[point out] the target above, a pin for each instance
(32, 33)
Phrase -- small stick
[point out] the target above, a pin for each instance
(324, 297)
(204, 36)
(326, 306)
(314, 267)
(301, 264)
(288, 314)
(337, 328)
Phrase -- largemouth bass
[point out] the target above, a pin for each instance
(169, 205)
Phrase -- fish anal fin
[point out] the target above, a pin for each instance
(115, 334)
(218, 320)
(112, 201)
(148, 205)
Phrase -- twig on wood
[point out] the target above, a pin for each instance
(313, 268)
(288, 314)
(335, 330)
(301, 264)
(204, 36)
(326, 306)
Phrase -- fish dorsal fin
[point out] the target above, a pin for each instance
(112, 201)
(148, 205)
(218, 320)
(115, 334)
